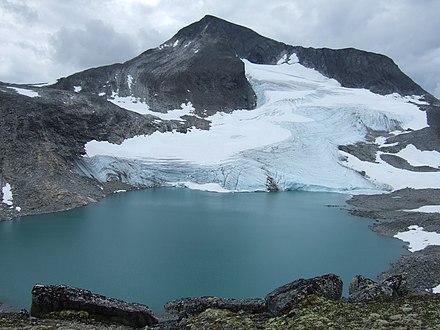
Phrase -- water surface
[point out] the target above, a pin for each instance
(151, 246)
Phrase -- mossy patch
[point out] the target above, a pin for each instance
(415, 311)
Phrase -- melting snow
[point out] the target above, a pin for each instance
(293, 135)
(417, 157)
(426, 209)
(7, 195)
(136, 105)
(25, 92)
(418, 238)
(129, 81)
(394, 178)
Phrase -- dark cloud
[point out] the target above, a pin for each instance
(95, 44)
(78, 34)
(20, 10)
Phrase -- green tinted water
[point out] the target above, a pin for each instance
(155, 245)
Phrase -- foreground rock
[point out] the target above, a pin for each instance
(47, 299)
(190, 306)
(291, 294)
(365, 289)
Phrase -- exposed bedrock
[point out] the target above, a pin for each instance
(56, 298)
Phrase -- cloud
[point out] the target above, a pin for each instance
(95, 44)
(78, 34)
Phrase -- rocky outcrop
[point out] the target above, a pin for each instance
(56, 298)
(190, 306)
(365, 289)
(288, 296)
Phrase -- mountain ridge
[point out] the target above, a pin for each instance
(202, 67)
(163, 85)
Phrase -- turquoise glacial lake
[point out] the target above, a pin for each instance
(152, 246)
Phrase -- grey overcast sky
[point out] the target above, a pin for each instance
(43, 40)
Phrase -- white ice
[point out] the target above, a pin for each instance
(211, 187)
(426, 209)
(25, 92)
(7, 195)
(417, 157)
(293, 136)
(418, 238)
(77, 89)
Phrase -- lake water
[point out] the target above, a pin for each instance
(151, 246)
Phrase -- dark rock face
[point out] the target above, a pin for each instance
(289, 295)
(190, 306)
(55, 298)
(359, 69)
(41, 137)
(365, 289)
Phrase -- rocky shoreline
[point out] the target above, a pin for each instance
(421, 268)
(302, 304)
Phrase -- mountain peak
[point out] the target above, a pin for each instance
(245, 42)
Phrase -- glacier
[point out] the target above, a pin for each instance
(292, 137)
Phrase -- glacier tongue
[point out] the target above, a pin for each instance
(292, 137)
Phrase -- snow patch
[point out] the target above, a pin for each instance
(426, 209)
(129, 81)
(131, 103)
(7, 195)
(391, 177)
(176, 43)
(25, 92)
(418, 238)
(417, 157)
(119, 191)
(77, 89)
(136, 105)
(436, 289)
(101, 94)
(18, 208)
(288, 59)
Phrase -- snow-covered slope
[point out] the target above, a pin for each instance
(291, 140)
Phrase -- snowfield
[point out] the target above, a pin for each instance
(418, 238)
(292, 137)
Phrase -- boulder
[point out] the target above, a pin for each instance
(57, 298)
(288, 296)
(365, 289)
(191, 306)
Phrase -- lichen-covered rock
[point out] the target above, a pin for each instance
(365, 289)
(191, 306)
(288, 296)
(56, 298)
